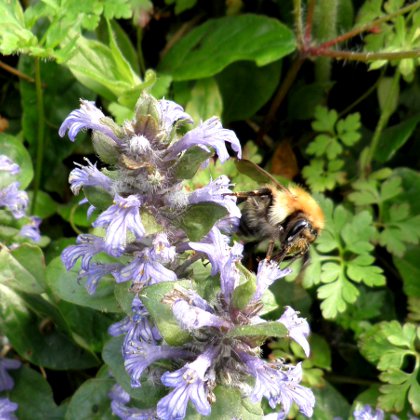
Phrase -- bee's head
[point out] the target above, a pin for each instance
(300, 229)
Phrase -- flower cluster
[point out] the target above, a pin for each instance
(15, 201)
(154, 238)
(7, 407)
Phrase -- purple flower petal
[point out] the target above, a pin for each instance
(14, 199)
(88, 116)
(171, 112)
(190, 383)
(191, 317)
(7, 165)
(268, 272)
(88, 176)
(215, 192)
(7, 408)
(139, 355)
(298, 328)
(119, 218)
(6, 381)
(87, 247)
(31, 230)
(368, 413)
(209, 133)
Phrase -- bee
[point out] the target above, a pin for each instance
(287, 215)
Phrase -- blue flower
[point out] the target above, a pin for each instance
(31, 229)
(218, 192)
(139, 355)
(192, 383)
(144, 270)
(191, 317)
(95, 272)
(279, 386)
(87, 247)
(14, 199)
(170, 113)
(215, 247)
(7, 165)
(268, 272)
(209, 133)
(298, 328)
(229, 274)
(137, 326)
(6, 381)
(88, 176)
(368, 413)
(119, 218)
(88, 116)
(7, 408)
(119, 400)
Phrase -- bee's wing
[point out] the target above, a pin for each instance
(257, 173)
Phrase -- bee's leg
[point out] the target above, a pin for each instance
(255, 193)
(279, 257)
(270, 250)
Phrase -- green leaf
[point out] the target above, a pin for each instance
(64, 285)
(387, 345)
(98, 197)
(91, 401)
(14, 36)
(23, 269)
(231, 405)
(102, 69)
(267, 329)
(189, 163)
(212, 46)
(358, 233)
(15, 150)
(391, 188)
(161, 313)
(410, 271)
(329, 403)
(244, 292)
(336, 296)
(34, 396)
(325, 119)
(245, 88)
(393, 138)
(205, 100)
(48, 348)
(361, 270)
(198, 219)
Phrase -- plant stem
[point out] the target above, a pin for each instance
(368, 26)
(40, 132)
(309, 20)
(364, 56)
(326, 30)
(383, 120)
(297, 12)
(16, 72)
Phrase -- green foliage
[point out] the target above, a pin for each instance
(390, 346)
(352, 137)
(324, 171)
(343, 257)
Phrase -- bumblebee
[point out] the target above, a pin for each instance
(289, 215)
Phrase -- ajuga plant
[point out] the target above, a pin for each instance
(192, 335)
